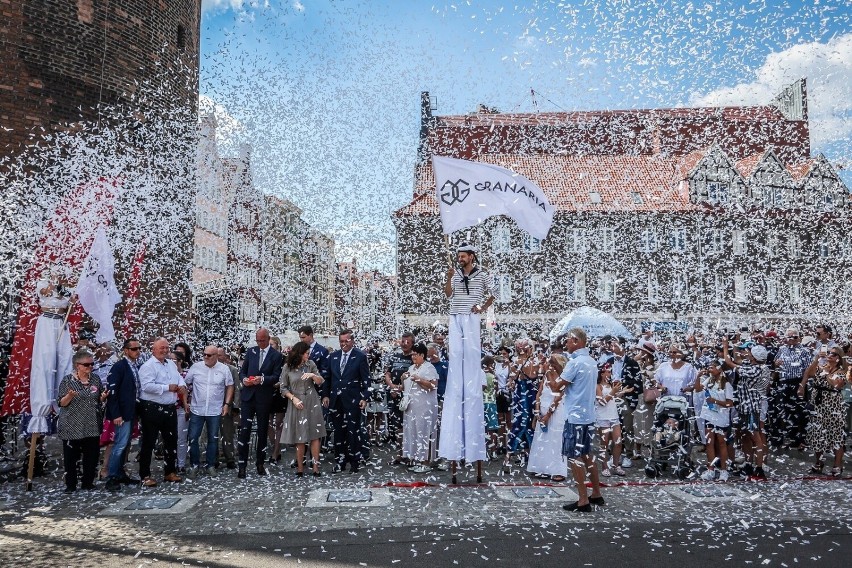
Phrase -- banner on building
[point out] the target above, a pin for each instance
(470, 192)
(96, 289)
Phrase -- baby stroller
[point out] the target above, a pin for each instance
(671, 443)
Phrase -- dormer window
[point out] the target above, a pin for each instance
(595, 197)
(717, 192)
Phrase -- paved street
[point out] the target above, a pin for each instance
(384, 516)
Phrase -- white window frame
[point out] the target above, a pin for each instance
(738, 242)
(532, 245)
(576, 286)
(772, 290)
(717, 192)
(607, 241)
(607, 287)
(715, 241)
(653, 288)
(680, 287)
(648, 240)
(740, 288)
(795, 291)
(503, 288)
(501, 240)
(578, 240)
(718, 289)
(677, 240)
(824, 249)
(794, 246)
(533, 286)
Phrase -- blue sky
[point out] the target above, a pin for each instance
(327, 92)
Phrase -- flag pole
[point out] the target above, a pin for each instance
(31, 465)
(450, 258)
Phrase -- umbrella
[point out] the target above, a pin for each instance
(593, 321)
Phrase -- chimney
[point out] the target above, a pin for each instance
(426, 122)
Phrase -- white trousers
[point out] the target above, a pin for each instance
(463, 416)
(51, 363)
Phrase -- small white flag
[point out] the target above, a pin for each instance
(470, 192)
(96, 289)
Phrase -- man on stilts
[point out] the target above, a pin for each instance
(463, 418)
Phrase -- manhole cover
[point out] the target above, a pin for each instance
(350, 496)
(150, 503)
(535, 493)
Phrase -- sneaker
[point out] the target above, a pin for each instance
(442, 466)
(618, 471)
(211, 471)
(747, 469)
(626, 462)
(420, 469)
(710, 475)
(723, 475)
(606, 472)
(759, 473)
(739, 457)
(192, 472)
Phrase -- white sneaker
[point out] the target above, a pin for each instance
(420, 469)
(626, 462)
(723, 475)
(606, 472)
(739, 457)
(710, 475)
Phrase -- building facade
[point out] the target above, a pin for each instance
(366, 302)
(712, 217)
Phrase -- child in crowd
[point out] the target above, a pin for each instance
(716, 412)
(606, 419)
(489, 399)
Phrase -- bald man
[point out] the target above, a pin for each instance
(160, 387)
(259, 376)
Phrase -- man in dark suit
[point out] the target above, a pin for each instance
(259, 376)
(123, 389)
(346, 397)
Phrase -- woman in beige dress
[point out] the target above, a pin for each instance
(303, 422)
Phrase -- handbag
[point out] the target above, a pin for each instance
(651, 394)
(406, 395)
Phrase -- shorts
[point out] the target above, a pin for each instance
(577, 440)
(504, 401)
(604, 423)
(750, 421)
(724, 431)
(491, 423)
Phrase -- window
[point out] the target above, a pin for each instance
(740, 288)
(501, 239)
(771, 290)
(717, 192)
(715, 241)
(772, 245)
(181, 37)
(532, 244)
(824, 250)
(739, 241)
(503, 288)
(576, 285)
(680, 288)
(637, 198)
(773, 196)
(595, 197)
(794, 247)
(532, 287)
(795, 291)
(718, 289)
(653, 288)
(648, 240)
(607, 287)
(677, 240)
(578, 240)
(607, 242)
(827, 201)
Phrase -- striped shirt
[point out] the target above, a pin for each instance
(794, 361)
(469, 291)
(752, 383)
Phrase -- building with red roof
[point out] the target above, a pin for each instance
(714, 216)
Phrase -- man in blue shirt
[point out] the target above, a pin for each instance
(578, 384)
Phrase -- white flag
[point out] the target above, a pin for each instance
(470, 192)
(96, 289)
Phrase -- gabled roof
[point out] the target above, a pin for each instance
(746, 166)
(800, 170)
(687, 163)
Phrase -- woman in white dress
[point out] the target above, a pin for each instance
(546, 451)
(419, 417)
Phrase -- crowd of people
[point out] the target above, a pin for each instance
(750, 393)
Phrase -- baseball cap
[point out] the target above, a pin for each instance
(759, 352)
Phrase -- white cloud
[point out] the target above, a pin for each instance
(828, 69)
(228, 128)
(221, 5)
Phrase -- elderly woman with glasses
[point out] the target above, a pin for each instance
(80, 397)
(826, 432)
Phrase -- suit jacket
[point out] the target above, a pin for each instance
(121, 384)
(631, 376)
(352, 384)
(319, 355)
(271, 371)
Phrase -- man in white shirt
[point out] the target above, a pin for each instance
(212, 396)
(160, 386)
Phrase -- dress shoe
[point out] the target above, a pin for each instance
(319, 473)
(260, 469)
(354, 469)
(300, 474)
(241, 474)
(173, 478)
(597, 501)
(112, 485)
(338, 468)
(149, 482)
(587, 508)
(231, 465)
(127, 480)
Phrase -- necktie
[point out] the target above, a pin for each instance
(260, 361)
(343, 361)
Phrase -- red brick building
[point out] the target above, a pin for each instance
(714, 216)
(119, 79)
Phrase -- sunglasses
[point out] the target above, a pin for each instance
(210, 354)
(134, 348)
(86, 364)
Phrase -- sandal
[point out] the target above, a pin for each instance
(558, 478)
(836, 471)
(817, 468)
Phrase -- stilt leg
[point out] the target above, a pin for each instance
(479, 471)
(31, 466)
(453, 470)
